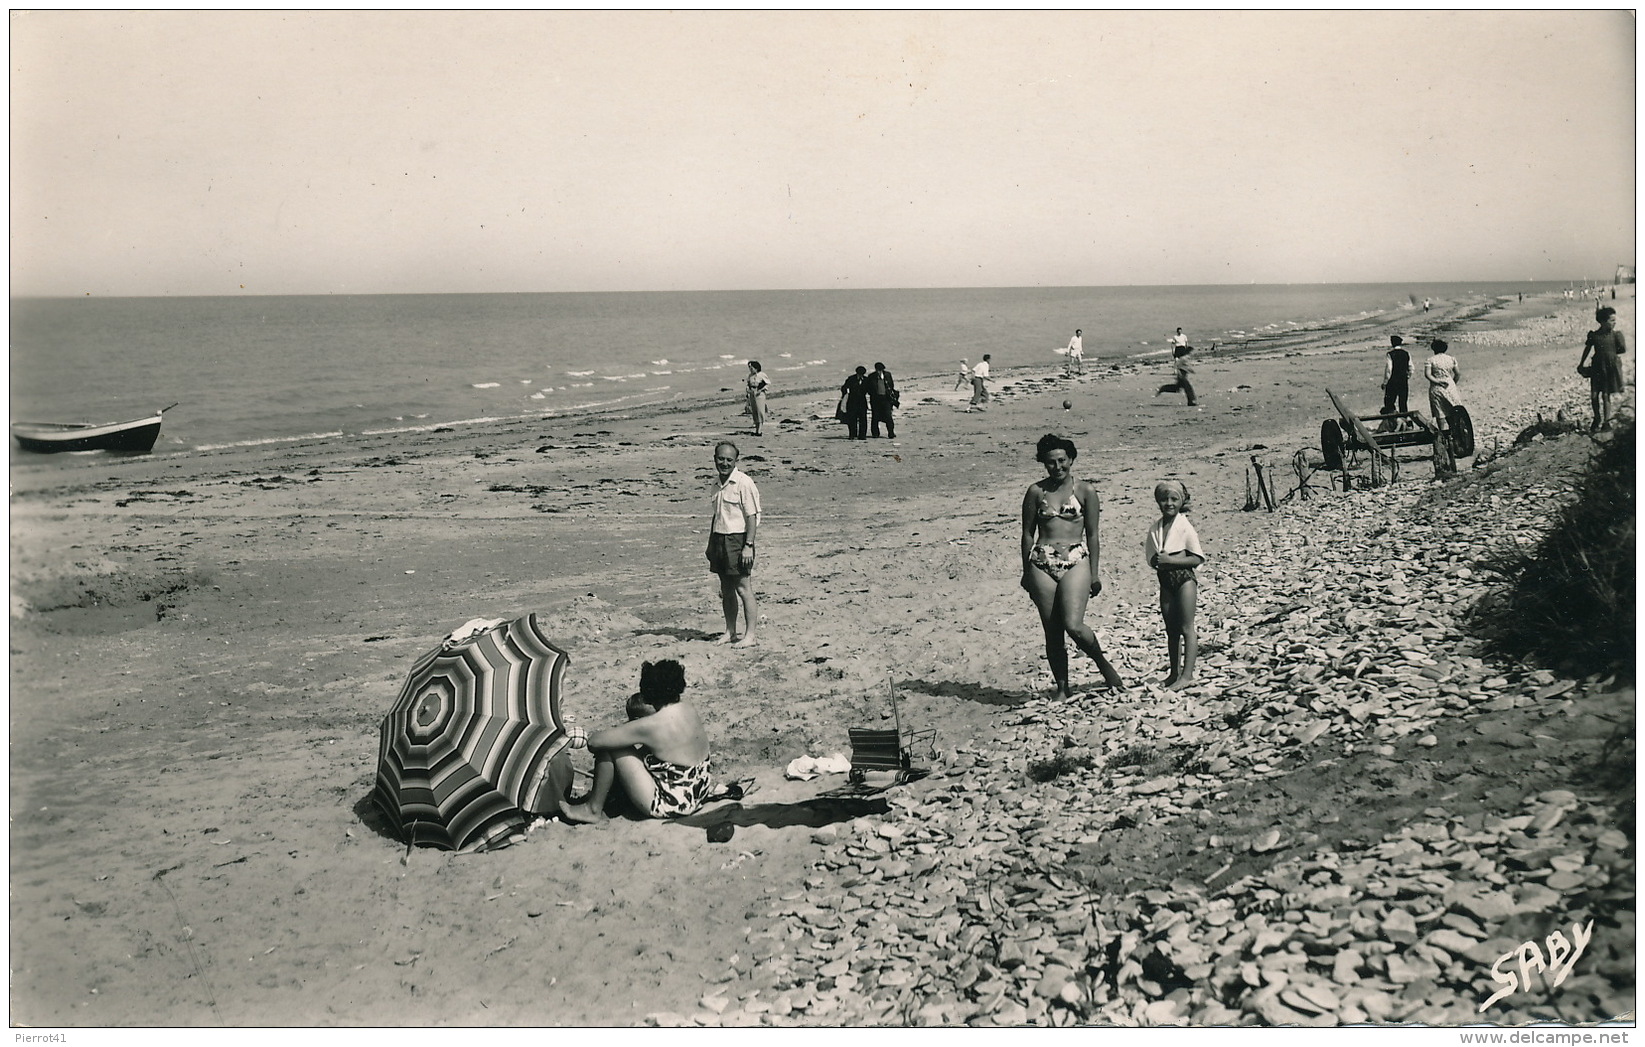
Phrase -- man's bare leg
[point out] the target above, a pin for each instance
(743, 594)
(728, 605)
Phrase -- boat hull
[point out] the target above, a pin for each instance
(133, 437)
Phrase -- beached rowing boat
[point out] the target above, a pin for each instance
(136, 436)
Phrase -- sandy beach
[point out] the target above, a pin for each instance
(204, 644)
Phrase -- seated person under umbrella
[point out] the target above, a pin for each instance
(660, 756)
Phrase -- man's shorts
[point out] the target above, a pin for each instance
(725, 554)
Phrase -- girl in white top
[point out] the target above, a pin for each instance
(1173, 550)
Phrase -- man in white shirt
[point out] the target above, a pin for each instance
(1076, 353)
(979, 385)
(731, 543)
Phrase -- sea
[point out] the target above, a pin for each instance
(251, 371)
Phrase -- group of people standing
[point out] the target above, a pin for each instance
(658, 760)
(868, 401)
(1441, 371)
(1061, 553)
(977, 378)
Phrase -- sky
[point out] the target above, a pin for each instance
(214, 153)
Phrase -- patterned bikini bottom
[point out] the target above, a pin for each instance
(1056, 564)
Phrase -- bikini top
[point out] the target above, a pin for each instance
(1070, 510)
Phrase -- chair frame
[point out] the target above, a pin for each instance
(877, 749)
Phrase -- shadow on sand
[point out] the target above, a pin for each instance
(814, 813)
(372, 817)
(676, 633)
(968, 692)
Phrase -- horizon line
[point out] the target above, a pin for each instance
(1583, 281)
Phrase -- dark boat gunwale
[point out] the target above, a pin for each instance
(135, 435)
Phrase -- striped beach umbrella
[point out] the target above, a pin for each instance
(466, 748)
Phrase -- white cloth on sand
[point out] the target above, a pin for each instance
(808, 767)
(471, 630)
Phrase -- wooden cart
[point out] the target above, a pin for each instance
(1344, 438)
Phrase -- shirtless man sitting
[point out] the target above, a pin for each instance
(660, 756)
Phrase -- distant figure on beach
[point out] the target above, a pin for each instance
(1605, 373)
(659, 757)
(979, 385)
(1181, 367)
(854, 400)
(1443, 375)
(1076, 353)
(735, 521)
(1060, 553)
(1396, 382)
(965, 373)
(1173, 551)
(1179, 340)
(757, 385)
(1426, 302)
(882, 394)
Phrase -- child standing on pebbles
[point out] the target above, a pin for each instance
(1173, 550)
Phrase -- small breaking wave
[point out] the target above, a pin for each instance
(270, 440)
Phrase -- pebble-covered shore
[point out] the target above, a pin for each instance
(983, 898)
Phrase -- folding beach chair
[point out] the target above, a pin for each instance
(894, 750)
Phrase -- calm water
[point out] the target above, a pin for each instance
(252, 370)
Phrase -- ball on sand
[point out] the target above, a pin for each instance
(1067, 405)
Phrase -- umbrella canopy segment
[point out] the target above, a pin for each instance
(466, 747)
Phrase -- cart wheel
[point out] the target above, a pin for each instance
(1461, 432)
(1330, 442)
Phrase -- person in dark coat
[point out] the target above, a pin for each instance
(855, 394)
(1396, 382)
(881, 388)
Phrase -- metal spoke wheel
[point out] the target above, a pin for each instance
(1460, 432)
(1331, 443)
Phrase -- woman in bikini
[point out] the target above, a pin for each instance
(1059, 559)
(660, 756)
